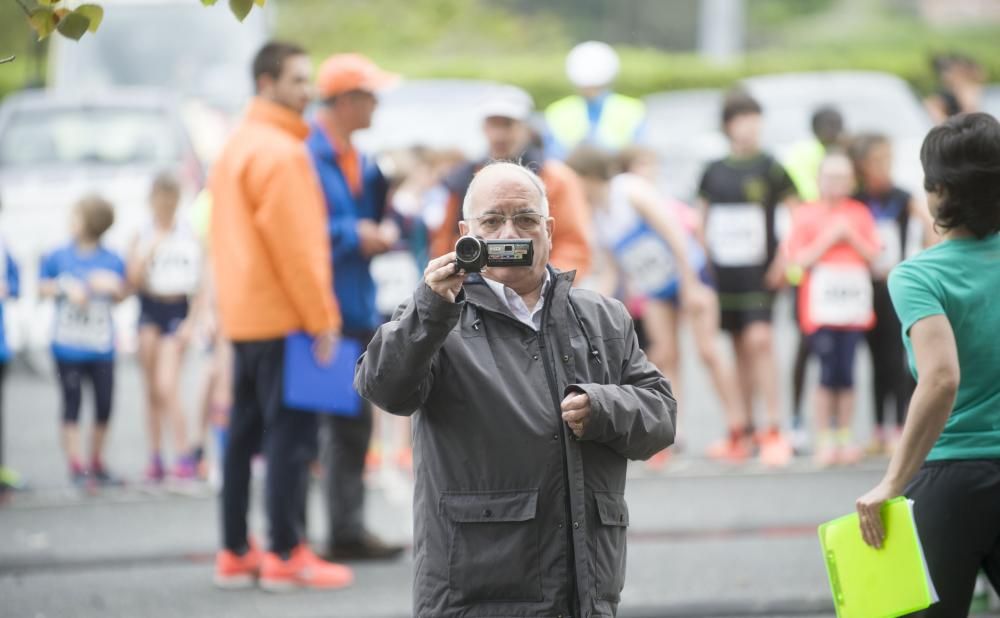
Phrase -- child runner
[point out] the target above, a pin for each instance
(164, 266)
(703, 318)
(86, 280)
(739, 196)
(10, 286)
(663, 263)
(893, 209)
(835, 241)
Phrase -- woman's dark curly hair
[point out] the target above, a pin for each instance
(961, 160)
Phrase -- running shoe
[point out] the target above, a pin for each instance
(302, 569)
(234, 571)
(775, 450)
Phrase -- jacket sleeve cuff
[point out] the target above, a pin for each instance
(435, 309)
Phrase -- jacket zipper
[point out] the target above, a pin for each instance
(551, 379)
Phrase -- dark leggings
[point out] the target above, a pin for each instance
(101, 374)
(956, 506)
(891, 379)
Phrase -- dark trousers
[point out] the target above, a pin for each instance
(101, 374)
(889, 373)
(956, 506)
(344, 446)
(260, 422)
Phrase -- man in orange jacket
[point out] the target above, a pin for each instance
(271, 262)
(506, 112)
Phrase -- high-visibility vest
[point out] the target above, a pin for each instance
(620, 118)
(802, 165)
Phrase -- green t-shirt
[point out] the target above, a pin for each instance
(961, 280)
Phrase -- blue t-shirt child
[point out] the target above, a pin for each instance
(82, 333)
(13, 281)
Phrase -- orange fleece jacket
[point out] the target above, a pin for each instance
(270, 248)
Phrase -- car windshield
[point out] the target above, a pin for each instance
(116, 136)
(208, 61)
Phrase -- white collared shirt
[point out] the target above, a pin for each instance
(513, 301)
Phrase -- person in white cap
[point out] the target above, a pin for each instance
(595, 115)
(506, 112)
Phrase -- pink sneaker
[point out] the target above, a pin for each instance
(826, 456)
(850, 454)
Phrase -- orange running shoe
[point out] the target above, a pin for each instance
(303, 569)
(404, 458)
(732, 449)
(660, 460)
(775, 449)
(233, 571)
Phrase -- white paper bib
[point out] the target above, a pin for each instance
(396, 276)
(175, 269)
(840, 295)
(87, 328)
(737, 235)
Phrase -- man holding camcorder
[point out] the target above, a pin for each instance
(528, 398)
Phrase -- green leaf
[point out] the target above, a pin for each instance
(208, 2)
(43, 20)
(92, 12)
(240, 8)
(259, 2)
(47, 2)
(73, 26)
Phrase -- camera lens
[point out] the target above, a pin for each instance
(467, 249)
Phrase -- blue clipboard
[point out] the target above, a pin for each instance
(324, 389)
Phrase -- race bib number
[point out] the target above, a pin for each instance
(737, 235)
(396, 276)
(648, 262)
(892, 250)
(175, 269)
(840, 296)
(86, 328)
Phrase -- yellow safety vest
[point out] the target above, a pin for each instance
(568, 121)
(802, 165)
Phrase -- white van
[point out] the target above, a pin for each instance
(201, 55)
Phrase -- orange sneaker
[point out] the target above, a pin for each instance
(303, 569)
(775, 449)
(660, 460)
(730, 449)
(404, 458)
(233, 571)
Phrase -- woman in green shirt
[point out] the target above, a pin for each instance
(948, 301)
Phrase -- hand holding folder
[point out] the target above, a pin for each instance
(877, 583)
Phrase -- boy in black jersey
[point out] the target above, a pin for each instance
(738, 196)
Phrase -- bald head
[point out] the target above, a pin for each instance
(503, 183)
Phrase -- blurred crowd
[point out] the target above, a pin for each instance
(824, 225)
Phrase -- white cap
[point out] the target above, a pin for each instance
(592, 64)
(506, 102)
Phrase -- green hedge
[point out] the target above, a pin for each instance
(647, 71)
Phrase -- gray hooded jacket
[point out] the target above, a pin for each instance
(515, 516)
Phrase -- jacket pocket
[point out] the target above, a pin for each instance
(494, 552)
(608, 545)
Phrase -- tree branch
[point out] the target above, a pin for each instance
(6, 60)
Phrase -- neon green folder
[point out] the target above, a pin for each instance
(877, 583)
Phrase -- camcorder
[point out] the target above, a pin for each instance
(472, 254)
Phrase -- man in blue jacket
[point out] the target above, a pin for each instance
(355, 193)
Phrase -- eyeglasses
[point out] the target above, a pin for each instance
(523, 221)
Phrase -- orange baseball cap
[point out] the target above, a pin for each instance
(342, 73)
